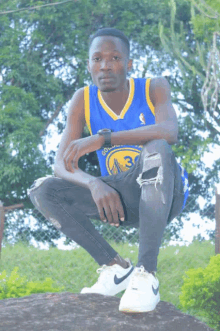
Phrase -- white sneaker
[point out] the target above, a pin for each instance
(112, 280)
(142, 293)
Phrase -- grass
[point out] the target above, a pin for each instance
(76, 269)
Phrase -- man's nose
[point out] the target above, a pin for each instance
(106, 65)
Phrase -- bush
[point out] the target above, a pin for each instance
(201, 292)
(14, 286)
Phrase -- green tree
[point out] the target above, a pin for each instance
(43, 62)
(194, 44)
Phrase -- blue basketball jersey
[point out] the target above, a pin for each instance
(138, 111)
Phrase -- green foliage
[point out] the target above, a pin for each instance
(188, 40)
(14, 286)
(43, 62)
(205, 19)
(201, 291)
(73, 269)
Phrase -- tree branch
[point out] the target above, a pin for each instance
(50, 120)
(206, 7)
(35, 7)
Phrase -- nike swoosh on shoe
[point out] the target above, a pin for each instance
(155, 290)
(119, 280)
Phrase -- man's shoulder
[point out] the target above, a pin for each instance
(159, 88)
(82, 90)
(77, 100)
(159, 81)
(154, 81)
(79, 92)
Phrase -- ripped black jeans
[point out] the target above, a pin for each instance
(151, 193)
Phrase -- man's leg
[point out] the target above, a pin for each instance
(152, 194)
(68, 207)
(161, 198)
(160, 201)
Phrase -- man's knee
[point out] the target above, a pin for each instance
(157, 146)
(152, 171)
(154, 156)
(43, 184)
(42, 194)
(41, 190)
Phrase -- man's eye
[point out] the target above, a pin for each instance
(116, 58)
(96, 59)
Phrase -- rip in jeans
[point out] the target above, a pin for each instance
(152, 172)
(55, 223)
(51, 219)
(37, 183)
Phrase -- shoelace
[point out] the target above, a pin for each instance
(139, 272)
(104, 271)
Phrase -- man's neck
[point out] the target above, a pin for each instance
(116, 100)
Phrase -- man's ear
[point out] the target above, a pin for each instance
(130, 65)
(88, 67)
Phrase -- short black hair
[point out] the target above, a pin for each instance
(111, 32)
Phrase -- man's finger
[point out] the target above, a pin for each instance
(101, 213)
(68, 150)
(65, 154)
(108, 214)
(66, 157)
(114, 212)
(120, 210)
(75, 160)
(69, 159)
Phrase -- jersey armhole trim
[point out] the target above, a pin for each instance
(87, 108)
(147, 93)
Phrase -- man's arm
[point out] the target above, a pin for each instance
(106, 198)
(73, 132)
(72, 146)
(165, 127)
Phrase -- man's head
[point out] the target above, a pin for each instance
(109, 59)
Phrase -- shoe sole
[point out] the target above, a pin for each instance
(121, 287)
(136, 310)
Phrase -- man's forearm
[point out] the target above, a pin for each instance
(78, 177)
(144, 134)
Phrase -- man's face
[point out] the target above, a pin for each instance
(108, 63)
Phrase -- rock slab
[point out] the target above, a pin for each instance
(93, 312)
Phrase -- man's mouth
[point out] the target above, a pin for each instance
(106, 78)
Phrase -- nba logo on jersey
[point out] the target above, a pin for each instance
(138, 111)
(142, 119)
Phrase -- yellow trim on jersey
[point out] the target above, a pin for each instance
(106, 108)
(126, 106)
(130, 99)
(147, 92)
(87, 108)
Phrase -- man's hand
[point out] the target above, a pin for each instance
(107, 201)
(80, 147)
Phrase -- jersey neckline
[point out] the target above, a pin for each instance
(109, 111)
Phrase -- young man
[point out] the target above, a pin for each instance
(132, 124)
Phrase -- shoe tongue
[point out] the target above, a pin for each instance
(142, 270)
